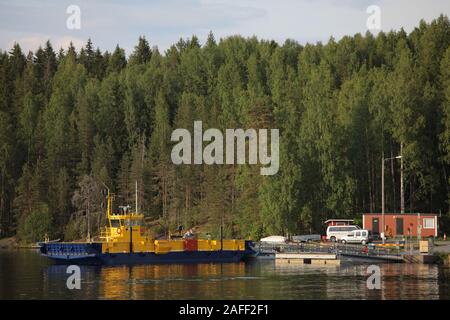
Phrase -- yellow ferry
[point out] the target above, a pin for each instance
(125, 240)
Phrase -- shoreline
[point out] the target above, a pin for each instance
(12, 243)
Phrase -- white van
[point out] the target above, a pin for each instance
(356, 236)
(335, 233)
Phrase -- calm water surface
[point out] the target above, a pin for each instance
(24, 274)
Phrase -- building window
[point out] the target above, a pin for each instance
(428, 223)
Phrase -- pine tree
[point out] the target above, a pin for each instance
(6, 160)
(87, 58)
(86, 104)
(445, 135)
(142, 52)
(117, 60)
(160, 156)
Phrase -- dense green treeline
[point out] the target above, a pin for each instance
(73, 121)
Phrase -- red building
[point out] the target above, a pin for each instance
(402, 224)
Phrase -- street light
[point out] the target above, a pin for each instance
(382, 195)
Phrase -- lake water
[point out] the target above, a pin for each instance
(24, 274)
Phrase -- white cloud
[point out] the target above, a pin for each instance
(306, 20)
(407, 13)
(109, 23)
(33, 42)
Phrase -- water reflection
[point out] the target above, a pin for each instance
(410, 281)
(168, 281)
(26, 275)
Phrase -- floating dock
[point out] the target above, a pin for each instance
(308, 258)
(330, 253)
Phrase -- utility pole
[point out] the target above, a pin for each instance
(88, 223)
(382, 194)
(402, 190)
(382, 199)
(136, 191)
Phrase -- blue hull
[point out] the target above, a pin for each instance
(91, 254)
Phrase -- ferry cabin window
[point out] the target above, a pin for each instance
(428, 223)
(133, 223)
(115, 223)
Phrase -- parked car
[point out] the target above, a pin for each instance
(335, 233)
(356, 236)
(306, 238)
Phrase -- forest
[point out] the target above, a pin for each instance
(74, 122)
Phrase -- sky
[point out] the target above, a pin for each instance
(163, 22)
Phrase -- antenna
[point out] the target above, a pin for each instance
(109, 203)
(136, 197)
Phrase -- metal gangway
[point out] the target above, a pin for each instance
(392, 252)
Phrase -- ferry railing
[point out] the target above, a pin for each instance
(105, 234)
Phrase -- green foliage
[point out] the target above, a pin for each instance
(37, 226)
(77, 119)
(88, 217)
(142, 52)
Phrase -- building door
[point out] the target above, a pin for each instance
(399, 226)
(375, 226)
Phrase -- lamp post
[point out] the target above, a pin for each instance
(382, 195)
